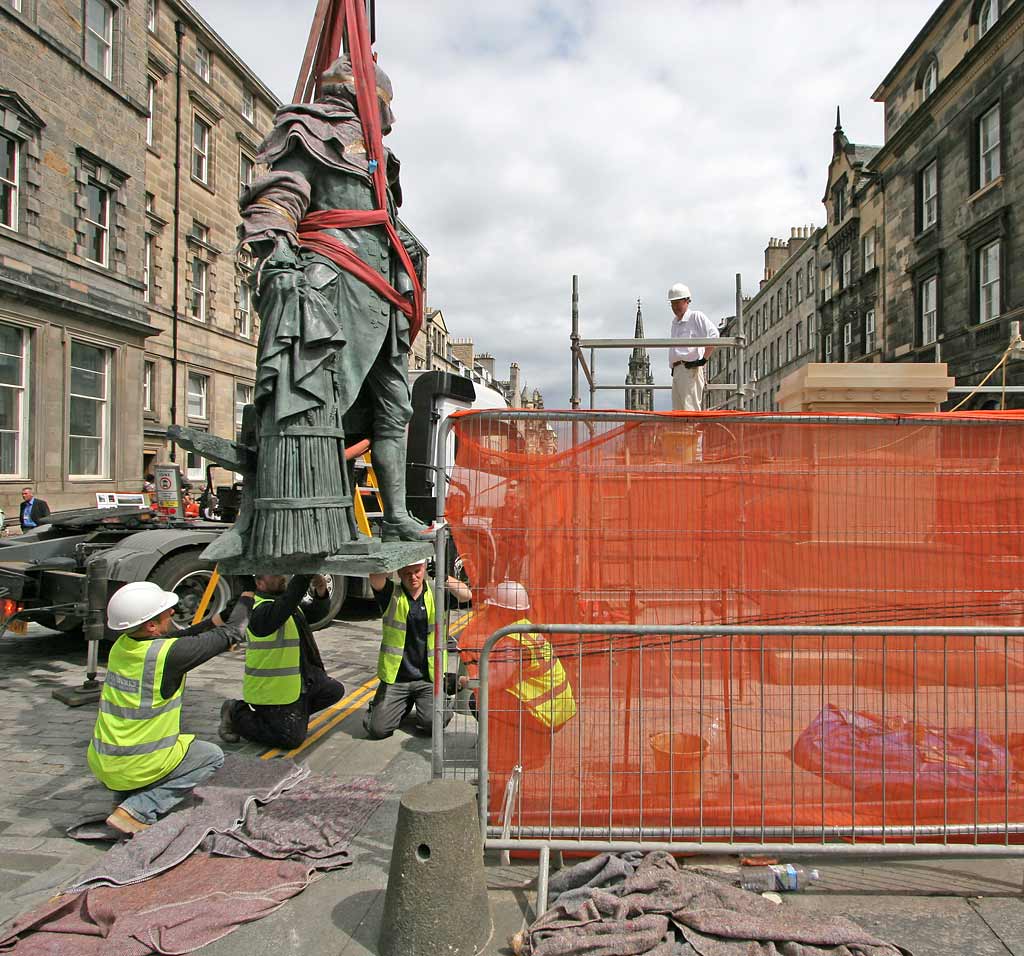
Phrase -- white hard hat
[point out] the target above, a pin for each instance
(136, 603)
(678, 291)
(511, 595)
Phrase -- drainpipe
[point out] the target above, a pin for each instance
(179, 32)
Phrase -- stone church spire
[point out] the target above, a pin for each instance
(639, 399)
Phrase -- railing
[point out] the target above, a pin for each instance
(840, 740)
(589, 368)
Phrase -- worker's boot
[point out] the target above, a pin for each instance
(388, 455)
(122, 821)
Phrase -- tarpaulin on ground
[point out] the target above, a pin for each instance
(257, 833)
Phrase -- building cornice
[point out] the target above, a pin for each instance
(134, 322)
(911, 51)
(192, 16)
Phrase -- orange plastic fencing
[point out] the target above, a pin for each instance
(755, 520)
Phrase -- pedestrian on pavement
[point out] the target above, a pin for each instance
(33, 509)
(285, 680)
(405, 666)
(531, 697)
(137, 747)
(687, 362)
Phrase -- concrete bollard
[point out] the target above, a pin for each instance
(436, 902)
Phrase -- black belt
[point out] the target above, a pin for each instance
(696, 364)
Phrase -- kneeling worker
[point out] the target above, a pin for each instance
(137, 747)
(405, 666)
(531, 696)
(285, 680)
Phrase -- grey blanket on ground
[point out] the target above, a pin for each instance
(635, 904)
(219, 806)
(238, 875)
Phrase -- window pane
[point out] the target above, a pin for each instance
(8, 154)
(86, 417)
(10, 370)
(8, 181)
(989, 274)
(85, 456)
(96, 197)
(988, 130)
(10, 414)
(9, 464)
(88, 357)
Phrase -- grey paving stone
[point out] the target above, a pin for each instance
(27, 862)
(927, 926)
(1005, 917)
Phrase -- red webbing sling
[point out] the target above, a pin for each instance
(351, 14)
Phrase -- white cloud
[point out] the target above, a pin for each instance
(634, 144)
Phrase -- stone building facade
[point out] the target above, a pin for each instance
(779, 322)
(200, 367)
(953, 192)
(73, 324)
(850, 302)
(919, 258)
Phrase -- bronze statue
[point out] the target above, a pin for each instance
(337, 323)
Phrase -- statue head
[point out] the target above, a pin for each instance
(338, 80)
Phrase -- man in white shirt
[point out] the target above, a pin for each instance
(687, 362)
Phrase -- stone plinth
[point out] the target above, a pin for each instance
(436, 901)
(865, 387)
(383, 559)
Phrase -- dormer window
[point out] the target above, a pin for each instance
(987, 16)
(931, 80)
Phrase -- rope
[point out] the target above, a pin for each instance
(1000, 364)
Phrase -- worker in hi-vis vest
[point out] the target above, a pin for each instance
(531, 698)
(405, 665)
(285, 680)
(137, 747)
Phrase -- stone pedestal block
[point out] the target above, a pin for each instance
(437, 893)
(896, 387)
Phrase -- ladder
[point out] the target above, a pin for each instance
(367, 488)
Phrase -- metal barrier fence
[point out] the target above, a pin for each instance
(867, 741)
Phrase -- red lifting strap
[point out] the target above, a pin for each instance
(310, 237)
(340, 18)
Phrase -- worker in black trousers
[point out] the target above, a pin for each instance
(285, 681)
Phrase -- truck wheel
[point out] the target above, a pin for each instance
(187, 575)
(337, 588)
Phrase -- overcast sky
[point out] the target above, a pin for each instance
(635, 144)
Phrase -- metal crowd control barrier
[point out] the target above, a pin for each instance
(923, 757)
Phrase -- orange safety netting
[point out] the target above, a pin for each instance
(743, 519)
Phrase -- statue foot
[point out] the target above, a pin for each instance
(407, 529)
(230, 544)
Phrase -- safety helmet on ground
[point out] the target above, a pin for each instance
(511, 595)
(136, 603)
(678, 291)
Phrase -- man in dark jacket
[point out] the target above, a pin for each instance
(285, 680)
(33, 510)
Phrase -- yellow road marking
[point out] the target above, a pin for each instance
(351, 703)
(327, 712)
(460, 624)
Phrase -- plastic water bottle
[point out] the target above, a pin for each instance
(778, 878)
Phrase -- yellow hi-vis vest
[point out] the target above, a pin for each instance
(392, 645)
(544, 689)
(137, 738)
(273, 673)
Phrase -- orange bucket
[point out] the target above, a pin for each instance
(679, 755)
